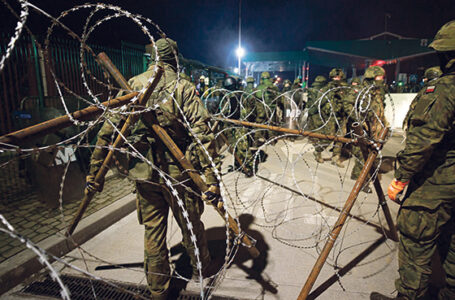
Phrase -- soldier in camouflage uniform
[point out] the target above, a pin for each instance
(266, 102)
(237, 137)
(154, 198)
(314, 120)
(429, 76)
(287, 86)
(248, 112)
(329, 107)
(338, 98)
(249, 85)
(297, 84)
(426, 164)
(369, 112)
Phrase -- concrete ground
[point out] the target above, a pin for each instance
(294, 202)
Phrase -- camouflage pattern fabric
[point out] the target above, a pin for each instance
(372, 117)
(266, 94)
(153, 199)
(426, 217)
(331, 107)
(431, 74)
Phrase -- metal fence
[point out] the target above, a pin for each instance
(27, 83)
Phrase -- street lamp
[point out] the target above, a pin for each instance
(240, 52)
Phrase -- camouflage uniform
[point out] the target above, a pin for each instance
(287, 86)
(425, 220)
(249, 85)
(370, 111)
(331, 107)
(430, 75)
(314, 119)
(266, 103)
(154, 199)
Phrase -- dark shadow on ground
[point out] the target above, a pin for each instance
(216, 238)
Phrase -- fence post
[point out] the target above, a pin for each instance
(38, 74)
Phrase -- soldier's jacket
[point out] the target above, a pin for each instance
(370, 108)
(248, 110)
(267, 94)
(429, 155)
(414, 103)
(334, 97)
(314, 93)
(170, 118)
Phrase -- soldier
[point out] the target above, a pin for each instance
(266, 94)
(249, 85)
(314, 119)
(249, 101)
(154, 197)
(287, 86)
(426, 166)
(201, 87)
(297, 83)
(331, 111)
(429, 76)
(240, 140)
(369, 112)
(356, 81)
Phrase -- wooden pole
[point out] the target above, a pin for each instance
(17, 137)
(292, 131)
(180, 157)
(341, 220)
(99, 177)
(358, 130)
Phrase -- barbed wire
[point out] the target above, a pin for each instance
(290, 153)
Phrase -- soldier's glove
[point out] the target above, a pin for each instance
(396, 187)
(212, 194)
(91, 186)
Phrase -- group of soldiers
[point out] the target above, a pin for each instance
(426, 163)
(334, 106)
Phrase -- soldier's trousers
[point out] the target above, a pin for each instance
(422, 232)
(153, 203)
(329, 128)
(242, 149)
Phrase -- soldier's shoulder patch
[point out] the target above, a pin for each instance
(430, 89)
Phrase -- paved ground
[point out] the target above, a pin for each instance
(36, 221)
(293, 201)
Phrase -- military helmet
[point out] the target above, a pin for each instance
(230, 83)
(432, 73)
(337, 72)
(166, 47)
(202, 77)
(297, 80)
(373, 71)
(356, 80)
(265, 75)
(320, 79)
(445, 38)
(250, 80)
(287, 81)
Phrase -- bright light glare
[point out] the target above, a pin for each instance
(240, 52)
(236, 70)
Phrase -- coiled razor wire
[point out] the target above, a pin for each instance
(266, 219)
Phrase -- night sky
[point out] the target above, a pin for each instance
(208, 30)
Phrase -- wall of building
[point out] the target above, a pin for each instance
(395, 112)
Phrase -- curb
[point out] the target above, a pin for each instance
(21, 266)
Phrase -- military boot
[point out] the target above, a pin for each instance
(318, 156)
(378, 296)
(336, 160)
